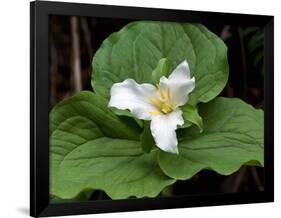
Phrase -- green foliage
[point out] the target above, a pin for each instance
(147, 140)
(89, 107)
(126, 113)
(232, 136)
(82, 196)
(134, 52)
(191, 116)
(162, 69)
(86, 155)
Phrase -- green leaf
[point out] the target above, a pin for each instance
(233, 136)
(93, 149)
(83, 196)
(134, 52)
(128, 114)
(88, 106)
(162, 69)
(191, 116)
(147, 140)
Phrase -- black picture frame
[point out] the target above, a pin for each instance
(39, 108)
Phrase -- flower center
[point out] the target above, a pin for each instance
(163, 103)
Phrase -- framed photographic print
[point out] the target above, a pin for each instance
(140, 109)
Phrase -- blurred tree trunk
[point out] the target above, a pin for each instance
(76, 55)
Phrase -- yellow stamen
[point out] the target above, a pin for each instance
(165, 110)
(162, 96)
(163, 103)
(169, 95)
(155, 102)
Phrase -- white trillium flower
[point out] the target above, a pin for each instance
(159, 103)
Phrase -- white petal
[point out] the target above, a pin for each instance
(134, 97)
(163, 129)
(179, 83)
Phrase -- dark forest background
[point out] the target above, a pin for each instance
(74, 40)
